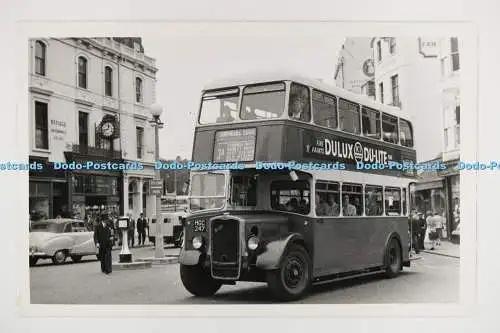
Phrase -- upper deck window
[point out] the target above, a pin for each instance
(299, 107)
(390, 128)
(263, 101)
(349, 116)
(371, 123)
(324, 109)
(406, 133)
(219, 106)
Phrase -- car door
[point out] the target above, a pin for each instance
(83, 239)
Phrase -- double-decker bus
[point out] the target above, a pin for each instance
(312, 214)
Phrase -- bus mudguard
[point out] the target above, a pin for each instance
(270, 259)
(189, 257)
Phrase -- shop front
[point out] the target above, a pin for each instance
(48, 191)
(452, 187)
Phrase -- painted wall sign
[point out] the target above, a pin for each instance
(428, 47)
(58, 129)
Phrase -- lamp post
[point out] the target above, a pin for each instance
(156, 111)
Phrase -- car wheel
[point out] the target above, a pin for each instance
(33, 261)
(59, 257)
(292, 279)
(197, 281)
(393, 259)
(76, 258)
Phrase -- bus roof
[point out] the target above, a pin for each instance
(252, 78)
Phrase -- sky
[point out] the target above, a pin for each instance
(186, 64)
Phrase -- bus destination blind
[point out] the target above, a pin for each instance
(236, 145)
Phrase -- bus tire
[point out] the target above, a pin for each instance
(393, 259)
(197, 281)
(292, 279)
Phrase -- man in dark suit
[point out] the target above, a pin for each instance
(141, 229)
(103, 239)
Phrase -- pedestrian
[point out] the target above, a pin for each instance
(131, 231)
(104, 239)
(141, 229)
(415, 232)
(423, 230)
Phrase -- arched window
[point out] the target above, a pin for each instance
(138, 90)
(40, 58)
(108, 81)
(82, 72)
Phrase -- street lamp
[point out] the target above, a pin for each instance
(156, 111)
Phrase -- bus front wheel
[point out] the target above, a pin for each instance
(197, 281)
(292, 279)
(393, 259)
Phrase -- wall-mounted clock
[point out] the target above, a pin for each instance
(108, 129)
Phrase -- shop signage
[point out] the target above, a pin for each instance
(58, 128)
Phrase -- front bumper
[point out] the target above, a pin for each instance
(39, 255)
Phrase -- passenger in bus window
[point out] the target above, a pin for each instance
(321, 206)
(348, 208)
(373, 207)
(333, 208)
(293, 205)
(225, 116)
(299, 103)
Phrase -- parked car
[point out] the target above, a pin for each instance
(58, 239)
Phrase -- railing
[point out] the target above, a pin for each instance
(96, 152)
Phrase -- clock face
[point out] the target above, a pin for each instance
(108, 129)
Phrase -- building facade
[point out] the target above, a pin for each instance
(420, 76)
(449, 57)
(89, 102)
(355, 69)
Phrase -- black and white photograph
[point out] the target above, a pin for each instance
(245, 169)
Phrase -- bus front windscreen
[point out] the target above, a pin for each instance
(219, 106)
(207, 191)
(263, 101)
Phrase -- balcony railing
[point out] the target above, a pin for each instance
(96, 152)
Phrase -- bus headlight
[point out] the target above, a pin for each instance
(253, 243)
(197, 242)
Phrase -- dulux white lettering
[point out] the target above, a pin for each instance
(346, 150)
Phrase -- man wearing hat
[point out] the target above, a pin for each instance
(104, 239)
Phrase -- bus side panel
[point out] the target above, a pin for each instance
(371, 238)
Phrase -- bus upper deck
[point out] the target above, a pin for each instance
(292, 118)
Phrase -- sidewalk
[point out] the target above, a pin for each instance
(447, 249)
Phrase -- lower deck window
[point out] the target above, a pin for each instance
(352, 200)
(291, 196)
(392, 201)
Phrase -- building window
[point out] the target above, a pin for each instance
(82, 72)
(371, 123)
(457, 114)
(324, 109)
(381, 89)
(108, 81)
(457, 136)
(40, 58)
(379, 51)
(140, 141)
(392, 45)
(83, 129)
(138, 90)
(395, 90)
(41, 125)
(455, 58)
(349, 117)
